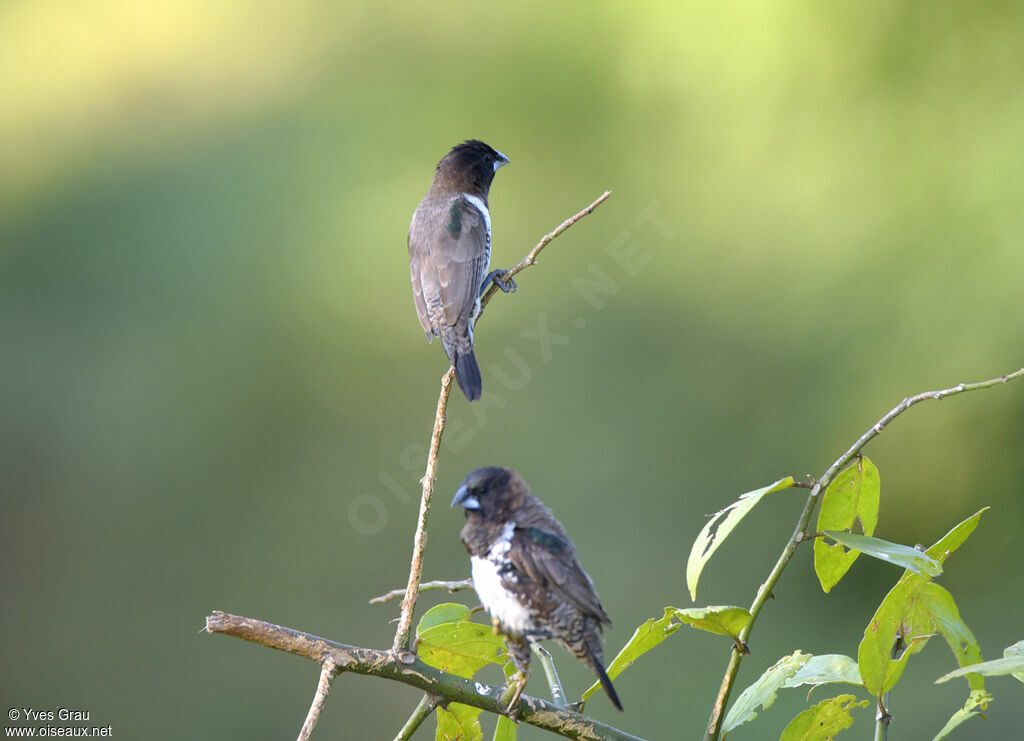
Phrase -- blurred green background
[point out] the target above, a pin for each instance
(214, 393)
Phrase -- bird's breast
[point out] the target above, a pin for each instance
(492, 579)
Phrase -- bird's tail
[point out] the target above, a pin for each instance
(602, 676)
(458, 346)
(467, 373)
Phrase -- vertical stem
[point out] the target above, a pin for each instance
(328, 671)
(551, 674)
(882, 719)
(764, 593)
(412, 591)
(882, 716)
(422, 711)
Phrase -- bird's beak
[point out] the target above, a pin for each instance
(501, 161)
(467, 500)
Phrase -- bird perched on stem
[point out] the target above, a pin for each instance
(450, 252)
(526, 574)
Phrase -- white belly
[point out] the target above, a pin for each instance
(502, 605)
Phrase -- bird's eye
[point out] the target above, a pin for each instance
(488, 159)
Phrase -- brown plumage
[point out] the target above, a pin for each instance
(526, 572)
(450, 251)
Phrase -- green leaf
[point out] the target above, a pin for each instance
(644, 638)
(458, 723)
(1017, 649)
(505, 730)
(725, 520)
(955, 537)
(878, 669)
(823, 721)
(446, 640)
(449, 612)
(509, 669)
(978, 698)
(946, 619)
(894, 553)
(900, 613)
(724, 620)
(460, 648)
(763, 691)
(993, 668)
(853, 495)
(826, 669)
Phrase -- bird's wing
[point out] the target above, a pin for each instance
(448, 258)
(419, 227)
(417, 297)
(550, 560)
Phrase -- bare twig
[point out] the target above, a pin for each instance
(410, 670)
(403, 633)
(531, 256)
(422, 711)
(801, 532)
(419, 543)
(328, 670)
(451, 586)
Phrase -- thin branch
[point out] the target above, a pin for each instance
(531, 256)
(410, 670)
(328, 671)
(419, 543)
(403, 633)
(801, 532)
(451, 586)
(551, 674)
(426, 706)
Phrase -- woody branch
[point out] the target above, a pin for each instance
(407, 669)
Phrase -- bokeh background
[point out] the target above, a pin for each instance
(214, 393)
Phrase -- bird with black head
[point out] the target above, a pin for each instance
(450, 252)
(527, 575)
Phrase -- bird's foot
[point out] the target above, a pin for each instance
(501, 279)
(510, 697)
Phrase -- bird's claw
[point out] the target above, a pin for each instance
(510, 697)
(501, 279)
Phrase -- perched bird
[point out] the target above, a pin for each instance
(526, 573)
(450, 252)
